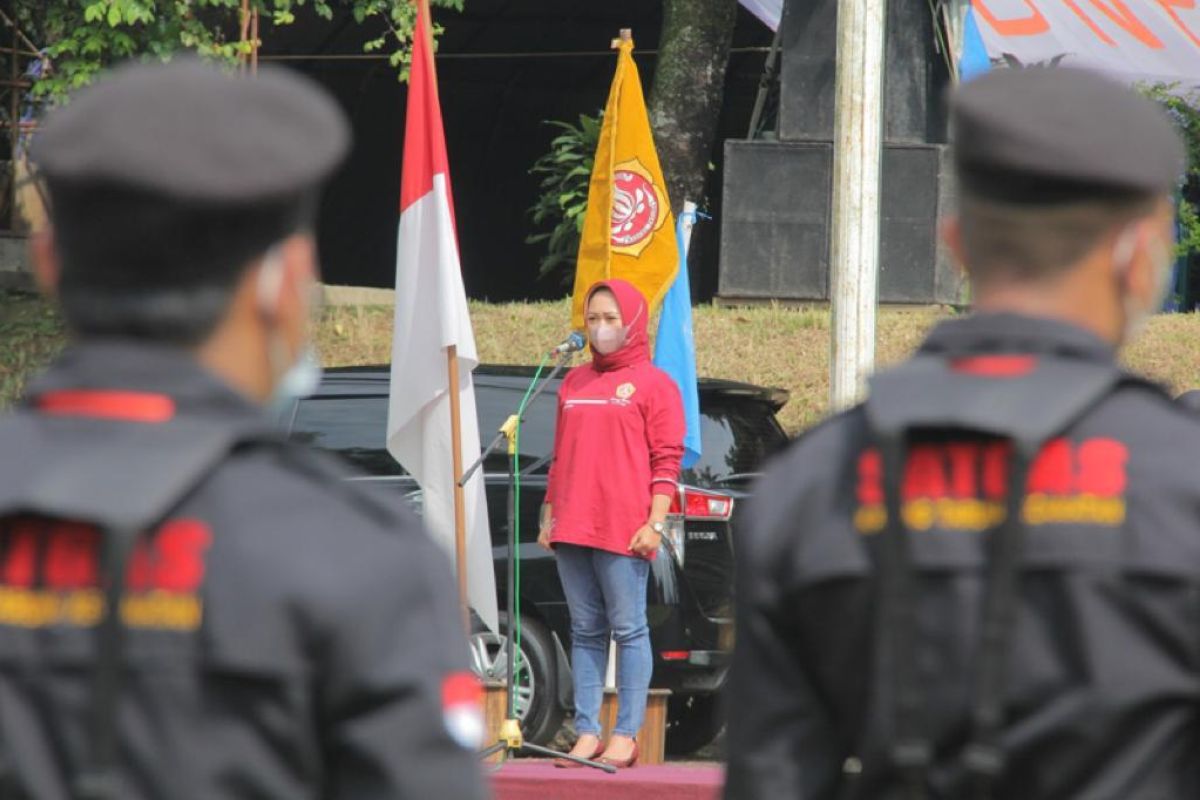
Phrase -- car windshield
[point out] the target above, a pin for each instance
(737, 436)
(738, 433)
(355, 427)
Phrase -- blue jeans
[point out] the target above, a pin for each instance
(606, 591)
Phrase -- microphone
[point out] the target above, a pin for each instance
(572, 344)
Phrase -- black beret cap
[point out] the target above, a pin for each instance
(188, 131)
(1048, 135)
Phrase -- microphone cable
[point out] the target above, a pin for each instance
(514, 625)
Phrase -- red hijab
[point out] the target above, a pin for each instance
(633, 317)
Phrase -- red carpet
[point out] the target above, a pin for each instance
(528, 779)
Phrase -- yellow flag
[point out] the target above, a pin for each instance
(628, 230)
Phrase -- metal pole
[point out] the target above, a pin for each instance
(857, 150)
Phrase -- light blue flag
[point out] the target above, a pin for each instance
(974, 60)
(675, 347)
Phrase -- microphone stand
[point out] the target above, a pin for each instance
(508, 430)
(512, 739)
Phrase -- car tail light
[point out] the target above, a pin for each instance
(699, 504)
(691, 503)
(675, 655)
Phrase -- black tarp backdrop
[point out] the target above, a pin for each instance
(493, 110)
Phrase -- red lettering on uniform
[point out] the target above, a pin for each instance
(963, 458)
(1170, 5)
(181, 545)
(924, 475)
(870, 478)
(995, 470)
(1102, 467)
(67, 556)
(1120, 15)
(172, 560)
(1030, 25)
(1052, 471)
(70, 561)
(20, 557)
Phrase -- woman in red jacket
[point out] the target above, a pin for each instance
(617, 450)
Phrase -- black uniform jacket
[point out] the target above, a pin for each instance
(285, 635)
(1103, 688)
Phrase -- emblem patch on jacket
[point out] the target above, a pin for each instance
(50, 574)
(625, 391)
(462, 709)
(961, 486)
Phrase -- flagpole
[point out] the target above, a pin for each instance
(460, 503)
(424, 12)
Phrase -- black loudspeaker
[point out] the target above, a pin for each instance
(776, 227)
(807, 42)
(915, 73)
(775, 220)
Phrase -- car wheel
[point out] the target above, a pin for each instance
(536, 686)
(693, 721)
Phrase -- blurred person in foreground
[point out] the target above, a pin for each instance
(280, 634)
(984, 581)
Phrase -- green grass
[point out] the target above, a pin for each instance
(31, 334)
(770, 345)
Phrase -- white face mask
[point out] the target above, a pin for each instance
(293, 377)
(1162, 261)
(300, 380)
(608, 339)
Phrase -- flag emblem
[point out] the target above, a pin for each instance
(636, 209)
(462, 709)
(627, 227)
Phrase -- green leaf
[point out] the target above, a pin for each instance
(114, 15)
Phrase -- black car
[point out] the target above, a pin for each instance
(688, 606)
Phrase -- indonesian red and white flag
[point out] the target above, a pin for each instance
(431, 315)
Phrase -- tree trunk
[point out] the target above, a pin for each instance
(689, 82)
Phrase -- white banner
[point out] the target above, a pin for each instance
(769, 11)
(1151, 41)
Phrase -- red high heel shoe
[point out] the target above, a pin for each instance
(566, 763)
(625, 763)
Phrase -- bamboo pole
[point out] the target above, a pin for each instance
(460, 504)
(254, 42)
(248, 31)
(243, 33)
(424, 13)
